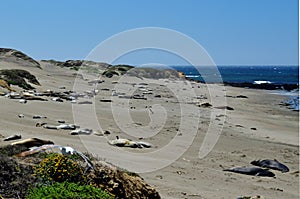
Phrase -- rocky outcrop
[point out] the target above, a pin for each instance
(265, 86)
(17, 77)
(12, 53)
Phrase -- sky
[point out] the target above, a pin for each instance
(233, 32)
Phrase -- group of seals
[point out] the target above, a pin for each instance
(256, 171)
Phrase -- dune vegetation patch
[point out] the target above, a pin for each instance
(18, 77)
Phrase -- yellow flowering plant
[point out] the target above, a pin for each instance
(59, 168)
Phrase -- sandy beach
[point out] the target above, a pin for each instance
(258, 127)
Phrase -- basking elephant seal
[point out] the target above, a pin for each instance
(271, 164)
(254, 171)
(31, 142)
(12, 137)
(121, 142)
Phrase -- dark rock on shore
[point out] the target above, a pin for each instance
(288, 87)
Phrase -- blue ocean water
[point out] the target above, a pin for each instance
(248, 74)
(241, 74)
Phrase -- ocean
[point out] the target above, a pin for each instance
(249, 74)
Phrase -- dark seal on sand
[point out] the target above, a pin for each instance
(31, 142)
(271, 164)
(254, 171)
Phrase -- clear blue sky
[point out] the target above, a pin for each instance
(234, 32)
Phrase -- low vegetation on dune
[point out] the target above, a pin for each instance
(7, 52)
(80, 64)
(67, 190)
(154, 73)
(18, 77)
(116, 70)
(53, 175)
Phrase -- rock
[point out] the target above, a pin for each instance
(13, 137)
(288, 87)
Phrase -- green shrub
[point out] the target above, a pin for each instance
(59, 168)
(67, 190)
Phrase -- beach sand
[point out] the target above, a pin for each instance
(257, 128)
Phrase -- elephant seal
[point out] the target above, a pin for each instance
(81, 132)
(254, 171)
(271, 164)
(12, 137)
(31, 142)
(121, 142)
